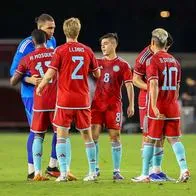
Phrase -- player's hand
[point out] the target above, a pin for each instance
(34, 79)
(158, 114)
(39, 90)
(130, 111)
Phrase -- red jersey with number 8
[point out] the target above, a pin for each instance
(114, 74)
(166, 69)
(36, 63)
(73, 61)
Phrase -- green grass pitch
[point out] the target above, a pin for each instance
(13, 169)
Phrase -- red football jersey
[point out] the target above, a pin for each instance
(166, 69)
(140, 69)
(73, 61)
(108, 87)
(37, 63)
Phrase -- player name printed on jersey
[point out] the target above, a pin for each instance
(41, 55)
(167, 60)
(76, 49)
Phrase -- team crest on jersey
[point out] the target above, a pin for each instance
(116, 68)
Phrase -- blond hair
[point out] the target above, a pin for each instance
(160, 35)
(71, 27)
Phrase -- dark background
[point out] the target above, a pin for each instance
(132, 20)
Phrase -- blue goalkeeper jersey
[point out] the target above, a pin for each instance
(25, 47)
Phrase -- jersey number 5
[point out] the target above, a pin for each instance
(167, 84)
(75, 75)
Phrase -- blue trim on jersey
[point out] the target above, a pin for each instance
(25, 47)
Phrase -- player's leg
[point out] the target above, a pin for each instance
(28, 104)
(97, 122)
(96, 130)
(52, 168)
(39, 125)
(62, 121)
(83, 124)
(148, 147)
(113, 123)
(172, 134)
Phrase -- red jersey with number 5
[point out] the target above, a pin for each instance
(36, 63)
(73, 61)
(166, 69)
(108, 87)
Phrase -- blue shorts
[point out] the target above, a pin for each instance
(28, 104)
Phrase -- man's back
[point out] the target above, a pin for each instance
(140, 69)
(25, 47)
(36, 63)
(73, 61)
(166, 69)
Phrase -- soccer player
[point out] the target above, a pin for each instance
(163, 76)
(72, 61)
(36, 62)
(139, 80)
(46, 23)
(107, 106)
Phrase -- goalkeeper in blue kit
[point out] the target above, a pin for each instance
(46, 23)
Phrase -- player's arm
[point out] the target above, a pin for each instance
(46, 79)
(130, 93)
(16, 78)
(154, 92)
(23, 49)
(97, 73)
(138, 82)
(34, 79)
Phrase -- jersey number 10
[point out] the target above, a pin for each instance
(167, 84)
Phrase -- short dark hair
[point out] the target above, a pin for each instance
(43, 18)
(39, 36)
(170, 40)
(109, 35)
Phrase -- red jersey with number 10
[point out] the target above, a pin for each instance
(37, 63)
(166, 69)
(73, 61)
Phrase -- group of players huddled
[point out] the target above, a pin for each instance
(55, 92)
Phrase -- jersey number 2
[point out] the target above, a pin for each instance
(75, 75)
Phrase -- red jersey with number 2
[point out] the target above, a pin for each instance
(166, 69)
(73, 61)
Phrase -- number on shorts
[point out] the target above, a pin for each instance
(118, 117)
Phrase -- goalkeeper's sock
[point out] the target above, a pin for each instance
(30, 153)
